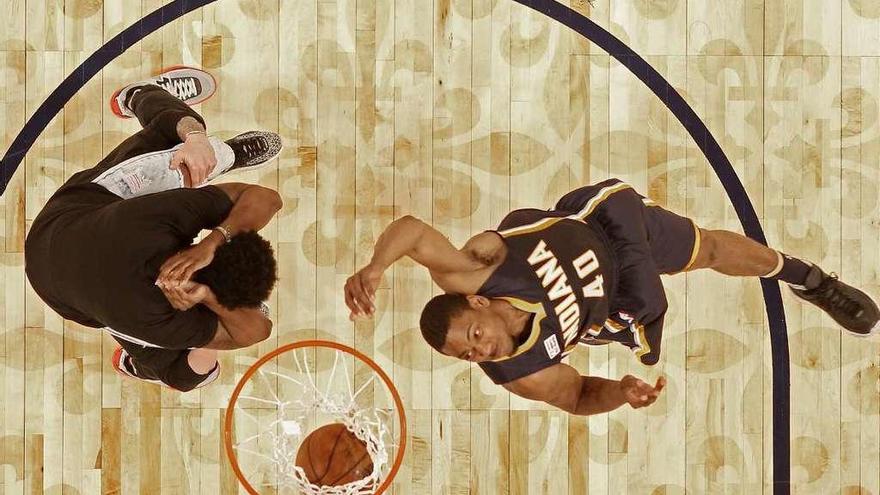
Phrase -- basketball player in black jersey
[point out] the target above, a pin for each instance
(520, 298)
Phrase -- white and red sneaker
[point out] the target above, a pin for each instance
(190, 85)
(121, 362)
(123, 365)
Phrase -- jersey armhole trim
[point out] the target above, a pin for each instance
(540, 314)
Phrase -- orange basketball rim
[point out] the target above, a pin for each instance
(293, 349)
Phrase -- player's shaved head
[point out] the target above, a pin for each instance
(436, 316)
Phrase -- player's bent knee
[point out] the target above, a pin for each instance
(202, 361)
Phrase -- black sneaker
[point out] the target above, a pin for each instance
(849, 307)
(189, 85)
(253, 149)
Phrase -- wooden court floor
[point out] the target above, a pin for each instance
(458, 111)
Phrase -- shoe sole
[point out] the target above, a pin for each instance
(115, 361)
(114, 104)
(875, 330)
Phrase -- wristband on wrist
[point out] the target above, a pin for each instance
(190, 133)
(225, 231)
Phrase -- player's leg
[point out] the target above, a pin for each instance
(182, 370)
(674, 238)
(734, 254)
(202, 361)
(149, 171)
(159, 112)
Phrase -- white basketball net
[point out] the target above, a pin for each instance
(294, 416)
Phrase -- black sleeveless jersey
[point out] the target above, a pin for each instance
(559, 268)
(584, 269)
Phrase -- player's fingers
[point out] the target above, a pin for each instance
(174, 264)
(168, 277)
(350, 302)
(172, 298)
(189, 287)
(179, 160)
(176, 273)
(661, 382)
(207, 165)
(370, 287)
(358, 309)
(369, 292)
(188, 272)
(169, 263)
(169, 267)
(643, 387)
(205, 169)
(185, 298)
(360, 297)
(350, 297)
(195, 172)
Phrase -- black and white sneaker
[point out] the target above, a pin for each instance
(189, 85)
(122, 363)
(849, 307)
(253, 149)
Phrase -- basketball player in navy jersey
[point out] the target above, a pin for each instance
(520, 298)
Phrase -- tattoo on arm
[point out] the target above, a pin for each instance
(188, 124)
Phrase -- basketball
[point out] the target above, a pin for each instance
(333, 456)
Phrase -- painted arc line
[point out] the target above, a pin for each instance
(597, 35)
(738, 196)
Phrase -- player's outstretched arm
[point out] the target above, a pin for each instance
(253, 206)
(562, 386)
(407, 236)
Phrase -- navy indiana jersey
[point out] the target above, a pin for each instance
(584, 269)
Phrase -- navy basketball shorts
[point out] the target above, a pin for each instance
(627, 217)
(674, 239)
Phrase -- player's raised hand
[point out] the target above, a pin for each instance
(180, 267)
(197, 157)
(638, 393)
(360, 291)
(184, 296)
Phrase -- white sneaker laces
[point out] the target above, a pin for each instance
(181, 87)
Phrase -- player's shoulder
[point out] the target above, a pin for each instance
(486, 248)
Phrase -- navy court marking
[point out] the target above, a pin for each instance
(82, 74)
(735, 191)
(597, 35)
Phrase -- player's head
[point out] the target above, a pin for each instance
(242, 273)
(466, 327)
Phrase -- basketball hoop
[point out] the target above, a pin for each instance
(311, 383)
